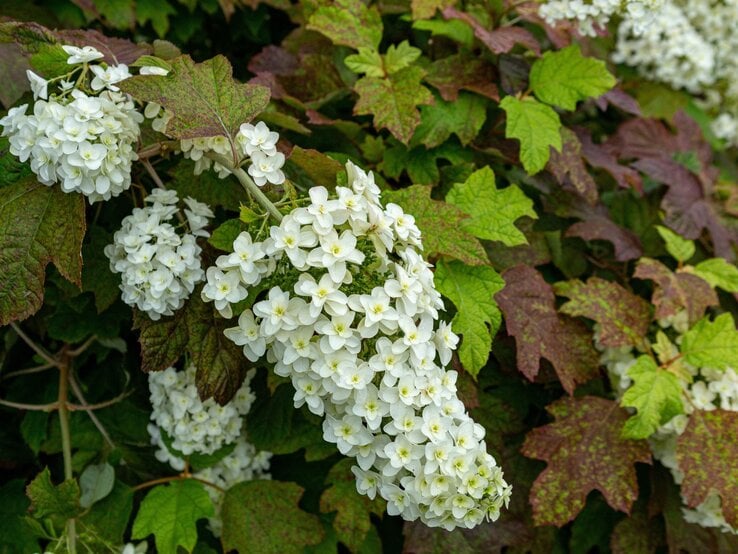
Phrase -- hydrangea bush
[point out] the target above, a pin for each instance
(301, 277)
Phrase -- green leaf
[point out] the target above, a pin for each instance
(439, 223)
(400, 56)
(263, 517)
(420, 163)
(11, 170)
(719, 273)
(393, 101)
(156, 11)
(16, 535)
(656, 394)
(203, 98)
(565, 77)
(711, 343)
(623, 317)
(352, 509)
(206, 187)
(109, 516)
(49, 61)
(348, 23)
(454, 29)
(315, 167)
(472, 289)
(463, 117)
(48, 499)
(366, 61)
(493, 211)
(38, 225)
(422, 9)
(96, 483)
(536, 126)
(170, 512)
(224, 235)
(96, 275)
(679, 248)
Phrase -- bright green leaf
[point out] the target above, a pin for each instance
(719, 273)
(454, 29)
(711, 343)
(439, 223)
(170, 512)
(156, 11)
(38, 225)
(477, 318)
(366, 61)
(656, 394)
(203, 98)
(247, 215)
(565, 77)
(348, 23)
(536, 126)
(679, 248)
(463, 117)
(393, 101)
(493, 211)
(48, 499)
(400, 56)
(96, 483)
(262, 517)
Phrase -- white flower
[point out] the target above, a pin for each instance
(39, 85)
(82, 55)
(152, 70)
(267, 169)
(257, 138)
(106, 77)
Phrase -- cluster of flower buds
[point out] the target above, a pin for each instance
(159, 265)
(350, 316)
(80, 134)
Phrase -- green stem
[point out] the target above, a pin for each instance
(66, 441)
(248, 184)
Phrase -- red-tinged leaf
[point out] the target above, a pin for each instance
(38, 225)
(585, 451)
(116, 50)
(393, 101)
(318, 168)
(637, 534)
(568, 167)
(425, 9)
(623, 316)
(627, 245)
(490, 539)
(643, 138)
(203, 98)
(620, 99)
(439, 223)
(706, 453)
(462, 72)
(273, 59)
(529, 307)
(676, 291)
(600, 157)
(13, 66)
(499, 41)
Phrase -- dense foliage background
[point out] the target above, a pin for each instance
(570, 207)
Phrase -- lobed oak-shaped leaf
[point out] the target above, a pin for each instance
(569, 169)
(47, 499)
(348, 23)
(500, 40)
(655, 393)
(203, 98)
(529, 306)
(585, 451)
(492, 211)
(706, 453)
(393, 101)
(262, 517)
(719, 273)
(676, 291)
(536, 126)
(352, 509)
(472, 289)
(462, 71)
(440, 224)
(463, 117)
(623, 316)
(170, 512)
(712, 343)
(38, 225)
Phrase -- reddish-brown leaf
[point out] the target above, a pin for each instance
(460, 71)
(627, 245)
(585, 451)
(637, 534)
(528, 304)
(706, 453)
(676, 291)
(600, 157)
(623, 316)
(568, 167)
(500, 40)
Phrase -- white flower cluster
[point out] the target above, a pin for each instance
(710, 389)
(197, 427)
(82, 139)
(257, 143)
(689, 45)
(349, 317)
(159, 265)
(593, 15)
